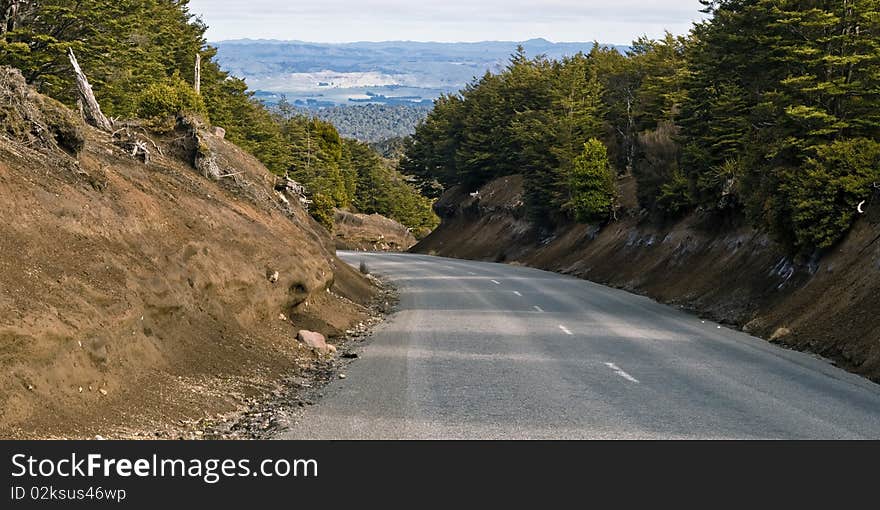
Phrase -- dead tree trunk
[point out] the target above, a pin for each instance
(91, 108)
(197, 80)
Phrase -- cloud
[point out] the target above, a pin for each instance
(615, 21)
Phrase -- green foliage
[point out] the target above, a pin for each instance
(768, 106)
(391, 148)
(431, 155)
(777, 87)
(532, 119)
(321, 209)
(757, 110)
(370, 122)
(656, 165)
(139, 56)
(123, 45)
(380, 189)
(674, 196)
(824, 195)
(591, 184)
(315, 152)
(247, 122)
(169, 98)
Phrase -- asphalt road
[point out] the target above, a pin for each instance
(490, 351)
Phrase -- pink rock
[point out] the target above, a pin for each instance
(316, 341)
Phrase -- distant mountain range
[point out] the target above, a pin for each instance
(320, 75)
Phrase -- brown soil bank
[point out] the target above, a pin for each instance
(829, 306)
(372, 232)
(135, 294)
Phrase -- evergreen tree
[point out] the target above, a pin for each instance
(593, 191)
(431, 155)
(383, 190)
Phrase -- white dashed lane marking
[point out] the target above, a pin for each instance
(621, 373)
(565, 330)
(517, 293)
(496, 282)
(538, 308)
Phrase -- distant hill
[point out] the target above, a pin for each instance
(317, 75)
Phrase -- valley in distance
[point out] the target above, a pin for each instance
(371, 91)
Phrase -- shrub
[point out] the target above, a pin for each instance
(169, 98)
(675, 198)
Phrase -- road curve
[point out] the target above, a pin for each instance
(491, 351)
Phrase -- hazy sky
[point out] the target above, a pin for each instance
(608, 21)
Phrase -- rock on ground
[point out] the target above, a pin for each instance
(316, 341)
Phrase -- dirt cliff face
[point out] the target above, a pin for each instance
(829, 305)
(373, 232)
(133, 294)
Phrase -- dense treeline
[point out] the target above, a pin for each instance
(140, 58)
(770, 110)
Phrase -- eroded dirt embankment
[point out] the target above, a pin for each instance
(829, 305)
(136, 295)
(370, 232)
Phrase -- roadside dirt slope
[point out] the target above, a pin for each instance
(134, 294)
(829, 305)
(370, 232)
